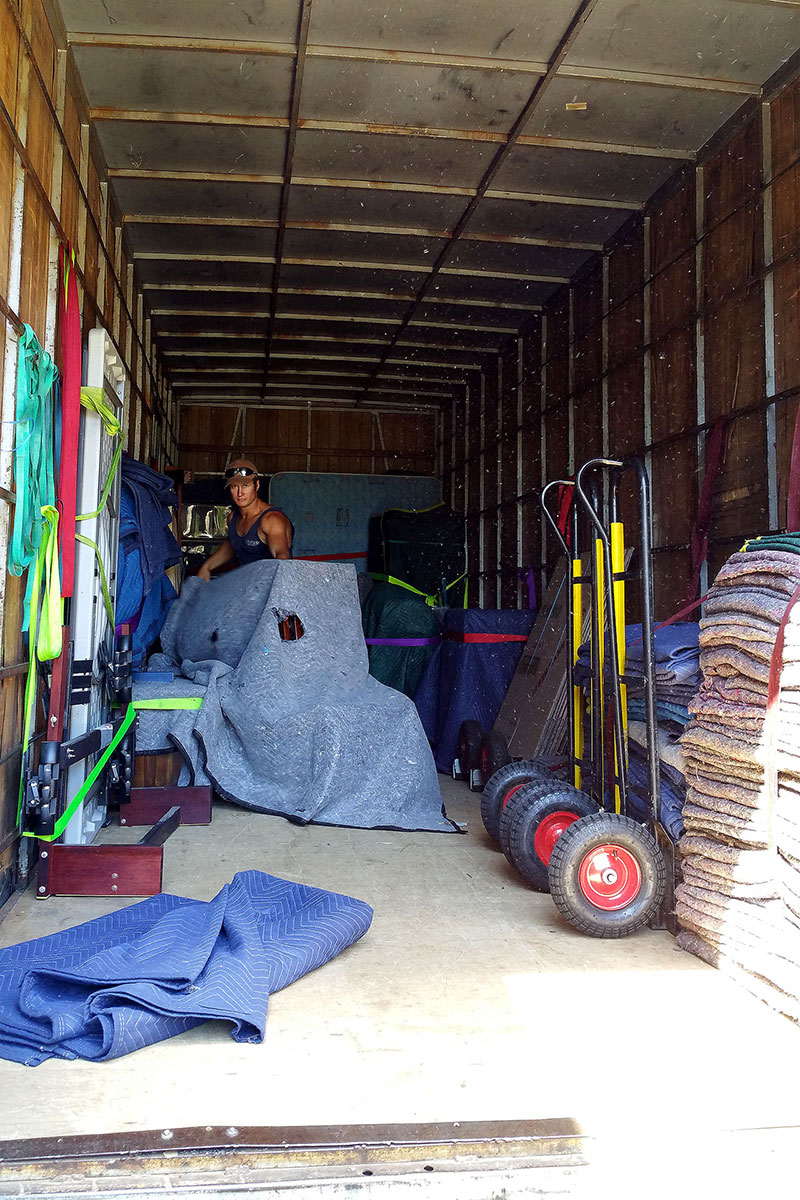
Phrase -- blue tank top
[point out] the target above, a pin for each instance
(248, 546)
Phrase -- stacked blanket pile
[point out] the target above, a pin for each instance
(677, 654)
(677, 671)
(739, 903)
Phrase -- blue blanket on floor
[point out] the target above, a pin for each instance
(158, 968)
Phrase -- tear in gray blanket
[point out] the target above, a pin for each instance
(298, 728)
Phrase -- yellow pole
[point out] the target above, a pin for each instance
(577, 638)
(618, 567)
(600, 576)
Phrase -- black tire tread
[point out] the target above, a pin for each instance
(496, 749)
(521, 800)
(525, 821)
(566, 856)
(501, 782)
(469, 745)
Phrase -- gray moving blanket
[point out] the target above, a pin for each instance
(298, 728)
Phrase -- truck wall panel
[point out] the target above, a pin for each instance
(785, 129)
(9, 60)
(71, 202)
(672, 303)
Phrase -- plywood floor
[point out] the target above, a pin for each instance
(468, 999)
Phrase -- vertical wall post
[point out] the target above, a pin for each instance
(769, 313)
(700, 357)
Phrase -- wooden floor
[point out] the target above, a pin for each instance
(469, 999)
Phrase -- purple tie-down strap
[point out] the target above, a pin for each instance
(527, 576)
(428, 641)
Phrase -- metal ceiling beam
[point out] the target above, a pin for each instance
(306, 373)
(334, 318)
(409, 58)
(304, 21)
(574, 27)
(398, 297)
(223, 401)
(411, 268)
(350, 226)
(298, 356)
(361, 127)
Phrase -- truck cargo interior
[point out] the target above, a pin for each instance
(399, 568)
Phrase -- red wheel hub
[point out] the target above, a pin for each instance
(548, 831)
(512, 791)
(610, 877)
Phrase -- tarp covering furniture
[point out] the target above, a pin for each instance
(393, 615)
(155, 969)
(298, 728)
(422, 549)
(467, 679)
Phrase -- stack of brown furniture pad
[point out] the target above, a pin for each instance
(739, 903)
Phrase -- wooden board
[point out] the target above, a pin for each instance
(539, 677)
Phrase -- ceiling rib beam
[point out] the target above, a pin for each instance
(291, 401)
(305, 374)
(304, 21)
(151, 116)
(410, 268)
(354, 227)
(396, 297)
(409, 58)
(574, 26)
(339, 319)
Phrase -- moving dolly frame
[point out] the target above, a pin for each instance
(608, 873)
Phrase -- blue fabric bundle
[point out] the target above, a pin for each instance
(468, 680)
(153, 498)
(672, 791)
(146, 548)
(158, 968)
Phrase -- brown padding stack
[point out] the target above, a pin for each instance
(739, 903)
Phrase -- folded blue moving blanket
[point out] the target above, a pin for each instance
(167, 964)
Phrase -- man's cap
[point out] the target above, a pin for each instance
(241, 468)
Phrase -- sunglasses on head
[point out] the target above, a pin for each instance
(240, 473)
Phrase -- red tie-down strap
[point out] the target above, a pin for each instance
(793, 499)
(485, 638)
(70, 333)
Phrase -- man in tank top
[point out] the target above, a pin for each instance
(255, 529)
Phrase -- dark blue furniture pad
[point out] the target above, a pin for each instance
(157, 968)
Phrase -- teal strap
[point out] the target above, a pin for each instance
(130, 716)
(34, 478)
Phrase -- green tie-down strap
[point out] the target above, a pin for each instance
(182, 702)
(430, 599)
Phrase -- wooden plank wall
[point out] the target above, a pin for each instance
(304, 439)
(52, 191)
(688, 317)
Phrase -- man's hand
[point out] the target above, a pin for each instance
(204, 573)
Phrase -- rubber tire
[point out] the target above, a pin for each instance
(565, 863)
(494, 754)
(508, 778)
(525, 796)
(469, 745)
(526, 819)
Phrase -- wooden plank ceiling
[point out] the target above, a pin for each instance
(361, 201)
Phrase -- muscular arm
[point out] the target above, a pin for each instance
(218, 559)
(274, 529)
